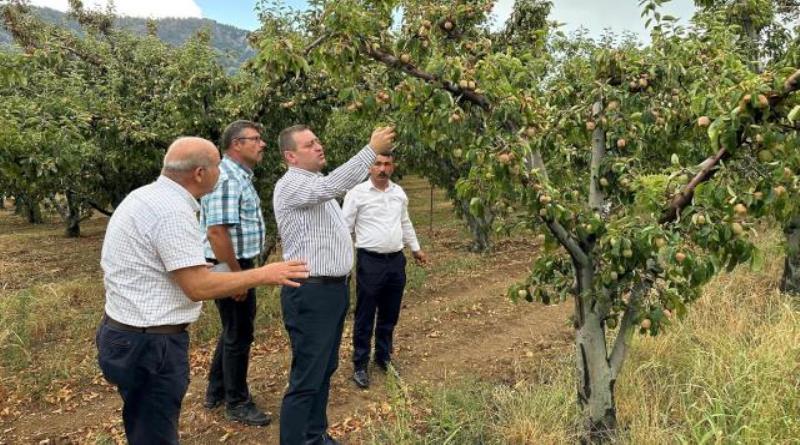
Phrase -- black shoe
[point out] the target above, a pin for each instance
(361, 378)
(324, 439)
(212, 401)
(248, 414)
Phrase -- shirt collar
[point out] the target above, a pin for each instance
(242, 169)
(388, 188)
(177, 188)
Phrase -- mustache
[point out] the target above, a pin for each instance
(382, 175)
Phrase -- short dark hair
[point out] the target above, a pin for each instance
(235, 129)
(286, 139)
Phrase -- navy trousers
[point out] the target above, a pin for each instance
(380, 280)
(227, 379)
(314, 318)
(151, 372)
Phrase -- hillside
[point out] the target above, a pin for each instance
(231, 42)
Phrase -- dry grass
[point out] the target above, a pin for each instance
(728, 373)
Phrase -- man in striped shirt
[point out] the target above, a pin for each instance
(234, 226)
(312, 228)
(155, 277)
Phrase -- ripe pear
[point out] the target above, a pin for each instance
(703, 121)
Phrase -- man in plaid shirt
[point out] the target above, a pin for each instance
(234, 226)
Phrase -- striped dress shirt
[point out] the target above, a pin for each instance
(310, 221)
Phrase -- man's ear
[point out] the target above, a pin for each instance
(197, 174)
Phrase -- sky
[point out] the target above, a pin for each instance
(594, 15)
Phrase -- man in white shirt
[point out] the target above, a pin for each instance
(377, 211)
(156, 276)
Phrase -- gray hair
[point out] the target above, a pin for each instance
(235, 129)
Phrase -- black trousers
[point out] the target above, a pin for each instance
(314, 318)
(380, 280)
(227, 378)
(151, 372)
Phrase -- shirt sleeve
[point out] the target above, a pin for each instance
(179, 242)
(318, 189)
(350, 210)
(409, 235)
(221, 206)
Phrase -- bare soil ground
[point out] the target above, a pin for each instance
(456, 324)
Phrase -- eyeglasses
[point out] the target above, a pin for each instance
(250, 138)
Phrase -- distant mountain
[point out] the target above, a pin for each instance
(229, 41)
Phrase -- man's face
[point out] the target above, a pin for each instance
(308, 152)
(250, 146)
(381, 170)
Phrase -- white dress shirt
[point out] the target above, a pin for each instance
(151, 233)
(379, 218)
(310, 221)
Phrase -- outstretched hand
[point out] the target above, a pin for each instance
(382, 139)
(282, 273)
(420, 257)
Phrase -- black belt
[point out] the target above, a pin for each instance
(322, 280)
(165, 329)
(380, 255)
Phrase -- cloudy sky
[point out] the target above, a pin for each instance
(595, 15)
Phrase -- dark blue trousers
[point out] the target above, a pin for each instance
(227, 379)
(314, 318)
(151, 372)
(380, 280)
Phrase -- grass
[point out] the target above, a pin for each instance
(729, 373)
(52, 297)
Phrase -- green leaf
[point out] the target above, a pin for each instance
(794, 114)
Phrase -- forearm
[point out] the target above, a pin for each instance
(222, 246)
(334, 185)
(213, 285)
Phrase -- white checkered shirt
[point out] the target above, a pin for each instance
(152, 232)
(310, 220)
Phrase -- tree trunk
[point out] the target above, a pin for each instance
(479, 227)
(73, 217)
(595, 377)
(2, 201)
(29, 209)
(790, 282)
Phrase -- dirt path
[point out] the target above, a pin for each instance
(451, 327)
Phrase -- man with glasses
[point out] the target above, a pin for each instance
(234, 226)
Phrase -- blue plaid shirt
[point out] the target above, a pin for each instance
(234, 203)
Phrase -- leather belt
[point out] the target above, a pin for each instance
(322, 280)
(380, 255)
(165, 329)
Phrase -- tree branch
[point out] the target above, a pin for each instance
(627, 326)
(567, 241)
(708, 169)
(596, 195)
(392, 61)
